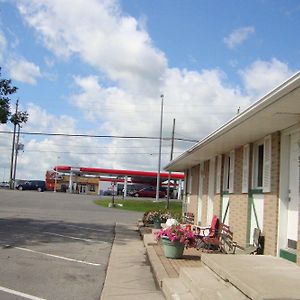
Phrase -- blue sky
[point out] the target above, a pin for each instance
(99, 68)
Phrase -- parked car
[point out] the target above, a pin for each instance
(148, 192)
(38, 185)
(4, 185)
(109, 193)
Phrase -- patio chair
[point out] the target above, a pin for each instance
(210, 234)
(211, 230)
(257, 247)
(222, 241)
(227, 244)
(188, 218)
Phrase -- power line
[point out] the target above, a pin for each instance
(91, 153)
(100, 136)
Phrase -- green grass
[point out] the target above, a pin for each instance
(143, 205)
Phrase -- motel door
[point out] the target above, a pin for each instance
(292, 225)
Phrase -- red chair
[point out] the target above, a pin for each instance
(206, 232)
(201, 232)
(221, 242)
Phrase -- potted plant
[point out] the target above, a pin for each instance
(174, 239)
(156, 217)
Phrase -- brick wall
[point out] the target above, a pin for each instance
(238, 217)
(238, 212)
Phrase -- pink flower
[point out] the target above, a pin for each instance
(177, 233)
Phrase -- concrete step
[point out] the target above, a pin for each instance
(174, 289)
(149, 239)
(259, 277)
(204, 284)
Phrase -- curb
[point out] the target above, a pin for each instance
(158, 269)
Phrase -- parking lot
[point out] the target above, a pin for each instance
(54, 246)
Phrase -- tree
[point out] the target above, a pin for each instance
(17, 119)
(6, 89)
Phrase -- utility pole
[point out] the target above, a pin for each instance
(159, 153)
(17, 147)
(171, 157)
(11, 183)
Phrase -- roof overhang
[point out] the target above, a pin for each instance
(278, 110)
(116, 172)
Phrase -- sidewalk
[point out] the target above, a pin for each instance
(129, 273)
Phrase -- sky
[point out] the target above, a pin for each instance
(100, 68)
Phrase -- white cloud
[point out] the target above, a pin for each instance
(39, 118)
(3, 45)
(24, 71)
(198, 101)
(101, 36)
(119, 47)
(2, 41)
(238, 36)
(262, 76)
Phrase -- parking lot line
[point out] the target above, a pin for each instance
(74, 238)
(13, 292)
(89, 228)
(59, 257)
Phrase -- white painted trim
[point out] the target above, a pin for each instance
(283, 192)
(211, 190)
(190, 180)
(258, 202)
(267, 167)
(200, 194)
(246, 168)
(219, 174)
(283, 200)
(231, 171)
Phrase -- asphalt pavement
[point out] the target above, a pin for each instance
(55, 245)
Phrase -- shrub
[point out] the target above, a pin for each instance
(151, 215)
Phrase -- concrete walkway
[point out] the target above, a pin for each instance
(129, 275)
(216, 276)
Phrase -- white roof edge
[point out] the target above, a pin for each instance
(271, 97)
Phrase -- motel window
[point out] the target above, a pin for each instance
(228, 175)
(258, 165)
(262, 165)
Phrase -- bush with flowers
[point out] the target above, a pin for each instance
(179, 233)
(156, 215)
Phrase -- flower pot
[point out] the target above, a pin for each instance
(157, 224)
(172, 249)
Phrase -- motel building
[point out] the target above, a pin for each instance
(247, 173)
(89, 181)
